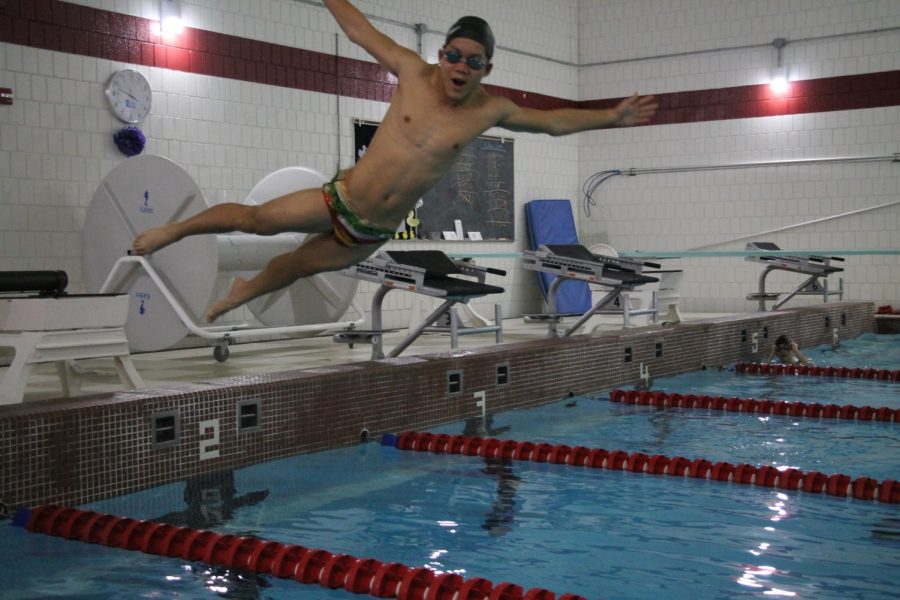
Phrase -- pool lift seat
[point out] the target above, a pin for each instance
(574, 261)
(428, 272)
(817, 268)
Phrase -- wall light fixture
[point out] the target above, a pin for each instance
(170, 16)
(779, 81)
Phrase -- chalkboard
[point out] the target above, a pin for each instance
(478, 189)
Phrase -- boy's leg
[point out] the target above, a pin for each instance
(318, 254)
(303, 211)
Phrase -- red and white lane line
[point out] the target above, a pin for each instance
(814, 482)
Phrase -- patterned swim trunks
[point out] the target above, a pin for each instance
(349, 228)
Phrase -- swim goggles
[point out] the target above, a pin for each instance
(474, 62)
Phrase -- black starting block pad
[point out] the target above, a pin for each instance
(808, 265)
(816, 268)
(428, 272)
(574, 261)
(38, 283)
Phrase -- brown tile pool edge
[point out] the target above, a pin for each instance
(74, 451)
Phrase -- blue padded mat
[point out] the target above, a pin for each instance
(552, 222)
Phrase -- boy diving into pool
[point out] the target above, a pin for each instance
(436, 110)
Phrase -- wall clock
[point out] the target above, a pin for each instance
(129, 95)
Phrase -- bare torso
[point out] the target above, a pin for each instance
(421, 136)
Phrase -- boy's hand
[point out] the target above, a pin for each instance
(635, 110)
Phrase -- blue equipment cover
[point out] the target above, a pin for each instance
(551, 222)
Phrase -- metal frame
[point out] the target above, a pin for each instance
(391, 275)
(812, 265)
(594, 271)
(225, 334)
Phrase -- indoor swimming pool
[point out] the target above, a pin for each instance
(597, 533)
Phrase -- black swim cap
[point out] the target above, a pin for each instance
(475, 29)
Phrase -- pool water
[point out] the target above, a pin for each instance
(593, 532)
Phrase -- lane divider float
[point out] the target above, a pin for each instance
(752, 368)
(750, 405)
(305, 565)
(814, 482)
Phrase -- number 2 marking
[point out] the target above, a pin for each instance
(210, 427)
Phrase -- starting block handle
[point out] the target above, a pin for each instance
(823, 259)
(476, 271)
(466, 264)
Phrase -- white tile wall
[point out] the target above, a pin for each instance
(56, 139)
(616, 30)
(679, 211)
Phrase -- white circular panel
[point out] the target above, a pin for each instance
(322, 298)
(139, 193)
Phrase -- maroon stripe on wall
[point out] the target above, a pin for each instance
(847, 92)
(75, 29)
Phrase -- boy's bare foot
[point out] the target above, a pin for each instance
(152, 240)
(237, 295)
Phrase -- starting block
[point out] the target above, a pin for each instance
(428, 272)
(42, 324)
(817, 269)
(574, 261)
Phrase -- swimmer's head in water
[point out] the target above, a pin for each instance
(475, 29)
(783, 342)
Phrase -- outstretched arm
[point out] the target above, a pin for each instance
(800, 356)
(360, 31)
(630, 111)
